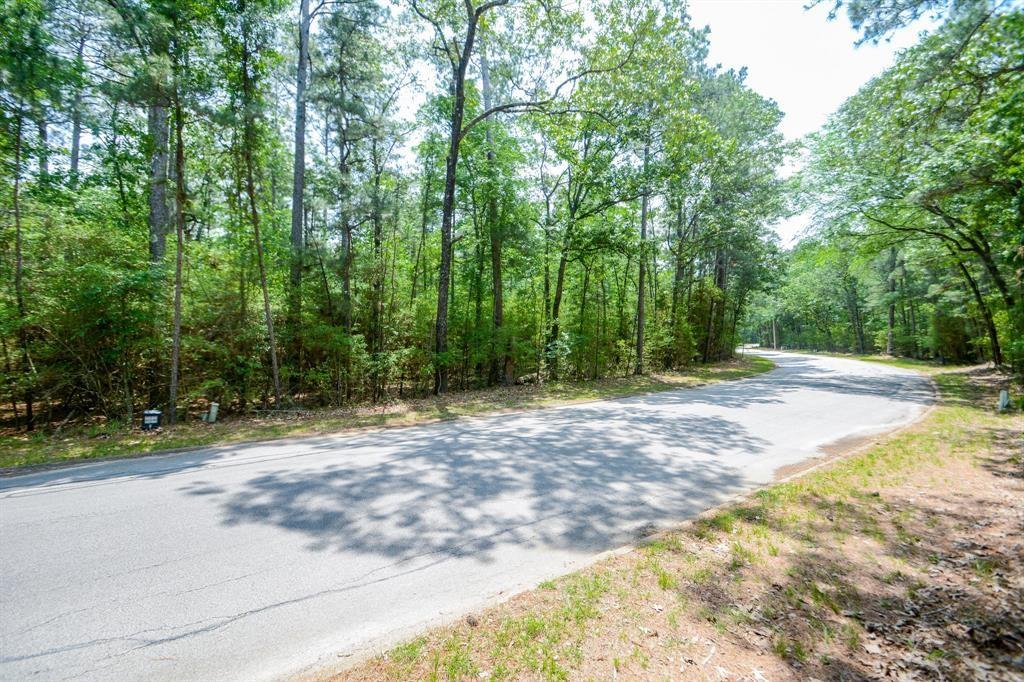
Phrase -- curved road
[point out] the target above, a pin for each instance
(259, 561)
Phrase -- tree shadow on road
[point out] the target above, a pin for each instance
(466, 489)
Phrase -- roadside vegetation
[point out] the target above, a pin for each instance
(288, 205)
(108, 439)
(899, 560)
(914, 190)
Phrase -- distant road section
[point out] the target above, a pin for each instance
(258, 561)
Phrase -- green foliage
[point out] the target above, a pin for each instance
(916, 188)
(547, 202)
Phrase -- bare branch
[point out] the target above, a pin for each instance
(541, 105)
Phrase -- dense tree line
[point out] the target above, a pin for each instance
(262, 204)
(917, 184)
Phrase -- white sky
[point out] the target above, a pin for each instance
(807, 64)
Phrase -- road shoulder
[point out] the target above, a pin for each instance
(29, 453)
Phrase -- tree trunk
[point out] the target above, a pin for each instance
(254, 216)
(556, 301)
(850, 288)
(298, 188)
(346, 276)
(445, 267)
(444, 272)
(890, 331)
(986, 314)
(680, 269)
(641, 294)
(76, 117)
(376, 344)
(44, 146)
(179, 225)
(19, 293)
(424, 217)
(157, 130)
(501, 369)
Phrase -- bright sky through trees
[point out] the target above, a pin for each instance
(806, 63)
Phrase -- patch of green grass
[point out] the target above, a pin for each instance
(666, 580)
(457, 661)
(789, 649)
(670, 544)
(850, 634)
(822, 597)
(538, 641)
(707, 528)
(983, 568)
(408, 653)
(641, 657)
(741, 556)
(702, 575)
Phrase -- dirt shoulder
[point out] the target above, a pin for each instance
(20, 451)
(904, 560)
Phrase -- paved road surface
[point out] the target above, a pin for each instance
(256, 561)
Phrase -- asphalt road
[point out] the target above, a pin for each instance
(258, 561)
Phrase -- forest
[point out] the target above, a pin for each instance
(271, 205)
(916, 186)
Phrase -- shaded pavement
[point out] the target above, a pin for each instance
(260, 560)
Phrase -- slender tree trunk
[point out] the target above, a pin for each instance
(254, 216)
(179, 224)
(298, 188)
(854, 310)
(890, 331)
(9, 378)
(677, 279)
(444, 272)
(722, 282)
(986, 314)
(172, 177)
(582, 318)
(76, 118)
(985, 253)
(445, 267)
(556, 302)
(377, 279)
(19, 292)
(710, 330)
(501, 368)
(424, 217)
(346, 277)
(641, 293)
(44, 146)
(346, 246)
(158, 218)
